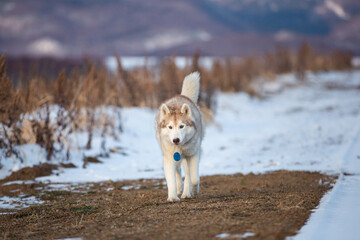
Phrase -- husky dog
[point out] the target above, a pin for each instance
(179, 131)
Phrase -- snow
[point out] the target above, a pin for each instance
(355, 62)
(232, 236)
(46, 46)
(30, 153)
(131, 62)
(283, 36)
(247, 234)
(18, 202)
(19, 182)
(140, 156)
(338, 216)
(312, 126)
(223, 235)
(174, 37)
(69, 239)
(339, 213)
(337, 9)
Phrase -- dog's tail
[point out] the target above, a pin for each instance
(191, 86)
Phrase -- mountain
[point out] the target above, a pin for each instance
(165, 27)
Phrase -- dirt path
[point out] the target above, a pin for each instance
(271, 206)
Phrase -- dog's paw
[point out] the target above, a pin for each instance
(195, 191)
(183, 196)
(179, 189)
(173, 199)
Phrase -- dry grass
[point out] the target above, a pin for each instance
(57, 108)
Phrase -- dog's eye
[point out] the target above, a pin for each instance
(170, 127)
(181, 126)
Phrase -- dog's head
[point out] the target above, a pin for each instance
(176, 124)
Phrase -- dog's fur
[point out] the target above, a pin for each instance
(180, 128)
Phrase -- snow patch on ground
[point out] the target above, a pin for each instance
(7, 202)
(338, 214)
(69, 239)
(232, 236)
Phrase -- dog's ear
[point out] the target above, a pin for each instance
(164, 110)
(185, 109)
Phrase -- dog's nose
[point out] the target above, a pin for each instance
(176, 140)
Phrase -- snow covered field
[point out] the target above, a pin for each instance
(313, 126)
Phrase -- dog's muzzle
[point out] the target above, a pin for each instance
(176, 140)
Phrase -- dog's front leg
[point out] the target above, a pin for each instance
(179, 182)
(187, 187)
(194, 174)
(170, 171)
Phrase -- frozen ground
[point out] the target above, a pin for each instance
(313, 126)
(338, 216)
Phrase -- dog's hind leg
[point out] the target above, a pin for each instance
(194, 174)
(169, 170)
(179, 182)
(187, 187)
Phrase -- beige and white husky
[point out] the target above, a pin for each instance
(180, 130)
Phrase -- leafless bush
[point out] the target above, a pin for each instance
(73, 100)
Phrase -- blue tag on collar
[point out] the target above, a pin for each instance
(177, 156)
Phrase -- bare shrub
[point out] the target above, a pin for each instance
(73, 100)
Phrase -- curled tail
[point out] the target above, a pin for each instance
(191, 86)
